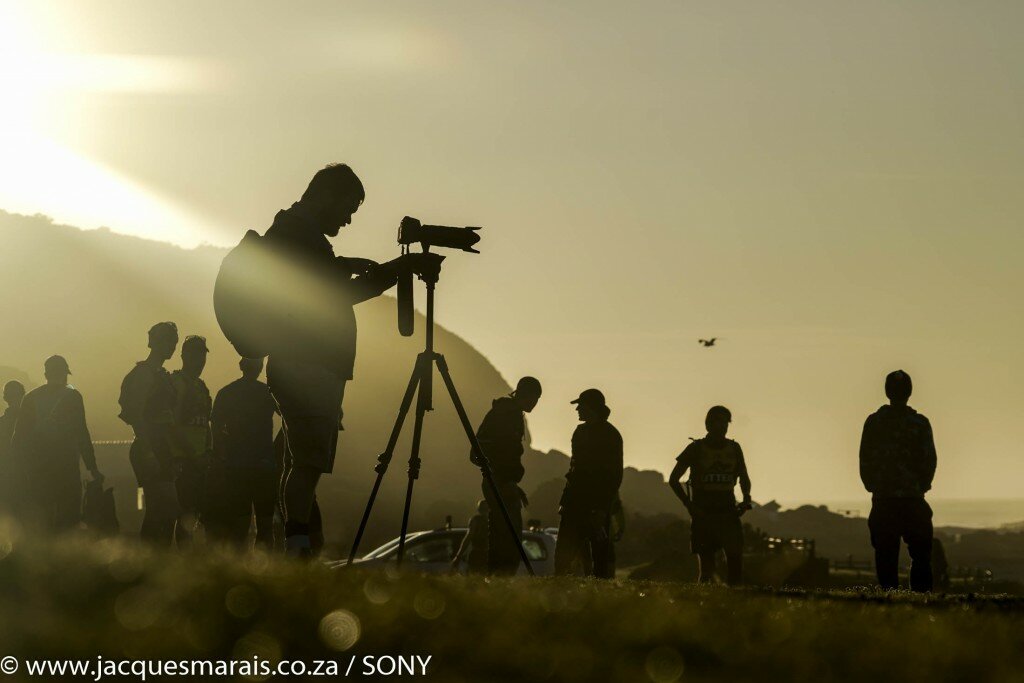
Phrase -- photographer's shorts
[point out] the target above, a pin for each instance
(712, 531)
(310, 398)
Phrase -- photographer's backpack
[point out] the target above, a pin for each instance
(239, 299)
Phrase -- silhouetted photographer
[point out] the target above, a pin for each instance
(897, 464)
(289, 296)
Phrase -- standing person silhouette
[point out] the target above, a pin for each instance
(51, 436)
(501, 438)
(308, 369)
(474, 544)
(147, 404)
(897, 465)
(591, 489)
(716, 464)
(192, 440)
(14, 393)
(244, 457)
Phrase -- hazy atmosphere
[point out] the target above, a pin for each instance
(828, 187)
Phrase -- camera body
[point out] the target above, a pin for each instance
(411, 231)
(428, 267)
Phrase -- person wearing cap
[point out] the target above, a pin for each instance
(897, 465)
(192, 440)
(314, 293)
(244, 460)
(716, 464)
(50, 436)
(501, 438)
(14, 394)
(147, 403)
(591, 489)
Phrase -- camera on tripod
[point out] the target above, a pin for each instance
(411, 231)
(427, 266)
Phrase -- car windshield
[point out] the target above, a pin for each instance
(389, 546)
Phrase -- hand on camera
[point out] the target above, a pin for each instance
(359, 266)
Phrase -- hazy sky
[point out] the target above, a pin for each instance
(830, 187)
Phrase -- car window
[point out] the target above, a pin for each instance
(535, 548)
(432, 550)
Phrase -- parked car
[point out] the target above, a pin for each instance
(432, 552)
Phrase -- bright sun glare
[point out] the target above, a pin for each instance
(38, 174)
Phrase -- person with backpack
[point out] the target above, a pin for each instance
(591, 490)
(147, 403)
(897, 465)
(192, 440)
(50, 436)
(287, 295)
(716, 464)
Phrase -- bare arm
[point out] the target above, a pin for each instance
(744, 479)
(675, 481)
(370, 279)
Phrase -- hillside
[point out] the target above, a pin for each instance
(92, 295)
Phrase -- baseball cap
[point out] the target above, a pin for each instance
(591, 397)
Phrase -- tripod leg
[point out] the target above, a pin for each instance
(384, 459)
(485, 466)
(414, 459)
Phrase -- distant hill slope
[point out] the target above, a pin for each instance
(92, 295)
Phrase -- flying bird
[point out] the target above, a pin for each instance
(708, 342)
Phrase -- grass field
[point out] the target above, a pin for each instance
(80, 599)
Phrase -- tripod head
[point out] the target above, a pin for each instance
(426, 265)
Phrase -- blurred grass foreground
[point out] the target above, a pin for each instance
(82, 598)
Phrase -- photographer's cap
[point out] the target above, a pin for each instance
(56, 364)
(590, 397)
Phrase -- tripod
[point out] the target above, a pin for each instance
(421, 385)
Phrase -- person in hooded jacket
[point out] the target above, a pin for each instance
(591, 490)
(501, 438)
(897, 465)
